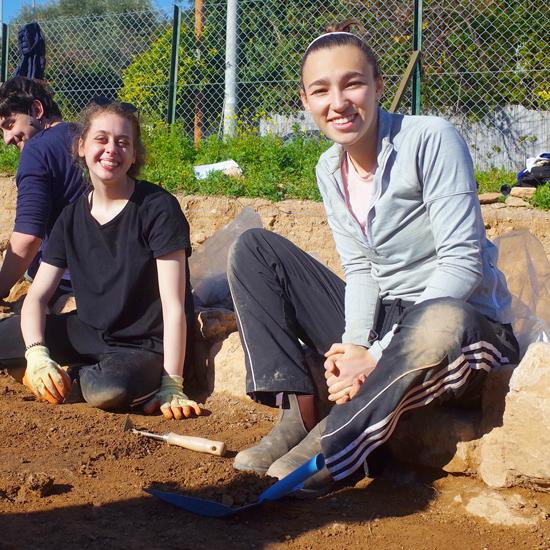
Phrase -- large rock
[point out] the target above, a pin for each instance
(449, 437)
(216, 323)
(438, 437)
(506, 444)
(225, 366)
(489, 198)
(518, 452)
(523, 192)
(516, 202)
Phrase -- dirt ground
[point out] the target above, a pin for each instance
(71, 478)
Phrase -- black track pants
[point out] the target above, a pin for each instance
(281, 295)
(110, 377)
(441, 349)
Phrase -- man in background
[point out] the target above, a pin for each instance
(47, 179)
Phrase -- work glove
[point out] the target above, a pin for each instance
(44, 377)
(172, 401)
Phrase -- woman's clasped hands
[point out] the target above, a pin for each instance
(346, 368)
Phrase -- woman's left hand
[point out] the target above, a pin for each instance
(173, 403)
(346, 368)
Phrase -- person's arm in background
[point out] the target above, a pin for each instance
(22, 248)
(32, 212)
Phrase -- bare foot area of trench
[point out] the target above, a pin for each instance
(70, 477)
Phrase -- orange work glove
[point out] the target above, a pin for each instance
(172, 401)
(44, 377)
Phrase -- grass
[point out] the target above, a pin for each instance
(273, 168)
(541, 198)
(490, 181)
(9, 159)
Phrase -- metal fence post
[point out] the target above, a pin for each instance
(2, 70)
(417, 46)
(5, 53)
(199, 28)
(173, 85)
(230, 93)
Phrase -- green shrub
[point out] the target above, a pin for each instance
(490, 181)
(170, 157)
(541, 198)
(9, 158)
(272, 168)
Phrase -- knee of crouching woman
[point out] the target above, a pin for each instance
(242, 248)
(108, 397)
(436, 327)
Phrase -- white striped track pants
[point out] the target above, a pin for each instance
(441, 349)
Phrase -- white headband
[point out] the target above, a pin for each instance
(331, 33)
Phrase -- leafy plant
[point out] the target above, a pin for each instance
(9, 159)
(272, 168)
(490, 181)
(541, 198)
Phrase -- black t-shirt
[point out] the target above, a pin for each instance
(113, 268)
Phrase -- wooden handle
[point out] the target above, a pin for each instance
(199, 444)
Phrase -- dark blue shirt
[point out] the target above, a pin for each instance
(47, 180)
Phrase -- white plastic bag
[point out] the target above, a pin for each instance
(228, 167)
(208, 265)
(523, 260)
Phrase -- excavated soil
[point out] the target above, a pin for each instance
(70, 477)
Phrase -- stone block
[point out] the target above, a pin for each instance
(489, 198)
(439, 437)
(516, 201)
(216, 323)
(523, 192)
(225, 366)
(518, 452)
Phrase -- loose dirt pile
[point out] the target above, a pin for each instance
(70, 477)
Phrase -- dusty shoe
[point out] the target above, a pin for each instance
(288, 431)
(317, 485)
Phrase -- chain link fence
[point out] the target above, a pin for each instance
(486, 67)
(485, 64)
(88, 56)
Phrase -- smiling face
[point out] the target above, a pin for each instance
(341, 93)
(108, 148)
(18, 128)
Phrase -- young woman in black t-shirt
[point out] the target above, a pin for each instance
(126, 244)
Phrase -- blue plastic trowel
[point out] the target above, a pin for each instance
(209, 508)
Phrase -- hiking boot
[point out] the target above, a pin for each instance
(317, 485)
(288, 431)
